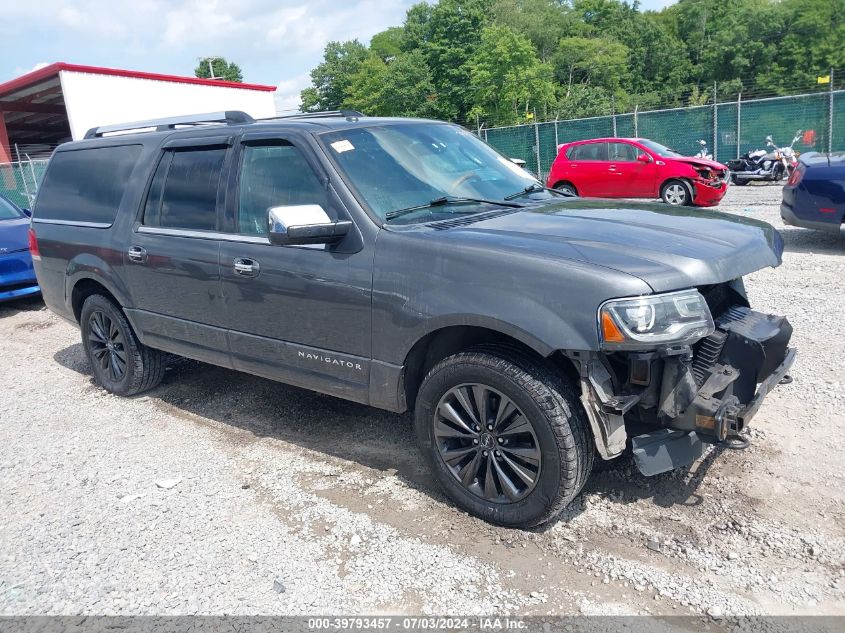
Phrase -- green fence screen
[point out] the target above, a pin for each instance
(19, 181)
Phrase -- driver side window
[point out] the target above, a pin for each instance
(623, 152)
(272, 176)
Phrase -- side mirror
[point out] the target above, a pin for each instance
(303, 224)
(702, 143)
(644, 158)
(27, 212)
(518, 161)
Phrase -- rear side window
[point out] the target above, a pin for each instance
(86, 185)
(589, 151)
(183, 194)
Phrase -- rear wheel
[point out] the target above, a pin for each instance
(676, 193)
(504, 435)
(120, 362)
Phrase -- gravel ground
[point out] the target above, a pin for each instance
(220, 493)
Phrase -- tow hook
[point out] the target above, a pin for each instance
(735, 442)
(726, 427)
(725, 418)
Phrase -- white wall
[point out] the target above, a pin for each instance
(94, 100)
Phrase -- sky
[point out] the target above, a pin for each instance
(275, 42)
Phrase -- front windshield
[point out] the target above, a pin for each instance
(8, 211)
(405, 165)
(657, 148)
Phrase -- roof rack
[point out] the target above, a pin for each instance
(346, 114)
(229, 117)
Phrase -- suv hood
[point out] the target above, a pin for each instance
(13, 235)
(666, 247)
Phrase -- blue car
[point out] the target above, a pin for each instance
(17, 278)
(814, 197)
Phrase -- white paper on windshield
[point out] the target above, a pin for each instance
(342, 146)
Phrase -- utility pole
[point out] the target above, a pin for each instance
(209, 61)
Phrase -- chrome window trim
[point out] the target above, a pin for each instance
(206, 235)
(225, 237)
(89, 225)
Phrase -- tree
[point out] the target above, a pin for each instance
(507, 78)
(448, 34)
(399, 87)
(224, 70)
(460, 58)
(388, 44)
(819, 23)
(331, 79)
(596, 60)
(543, 22)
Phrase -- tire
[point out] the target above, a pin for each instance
(736, 181)
(676, 193)
(121, 364)
(567, 188)
(548, 429)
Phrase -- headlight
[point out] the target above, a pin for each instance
(641, 322)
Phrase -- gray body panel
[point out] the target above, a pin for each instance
(341, 320)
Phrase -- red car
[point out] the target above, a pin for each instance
(637, 168)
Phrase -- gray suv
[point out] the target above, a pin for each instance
(407, 265)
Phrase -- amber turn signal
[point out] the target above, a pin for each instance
(609, 330)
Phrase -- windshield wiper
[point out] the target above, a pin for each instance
(534, 188)
(443, 201)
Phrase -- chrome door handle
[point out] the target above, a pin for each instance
(137, 254)
(246, 267)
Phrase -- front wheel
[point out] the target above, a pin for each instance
(676, 193)
(121, 363)
(567, 188)
(504, 434)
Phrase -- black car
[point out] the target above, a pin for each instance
(814, 197)
(405, 264)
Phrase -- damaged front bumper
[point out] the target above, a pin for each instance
(670, 402)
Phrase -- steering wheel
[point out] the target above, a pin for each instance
(461, 180)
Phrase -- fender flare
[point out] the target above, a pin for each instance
(89, 266)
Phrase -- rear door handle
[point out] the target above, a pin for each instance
(137, 254)
(246, 267)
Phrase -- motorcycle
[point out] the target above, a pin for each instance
(702, 153)
(772, 166)
(789, 156)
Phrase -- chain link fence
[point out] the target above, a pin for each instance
(729, 128)
(19, 180)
